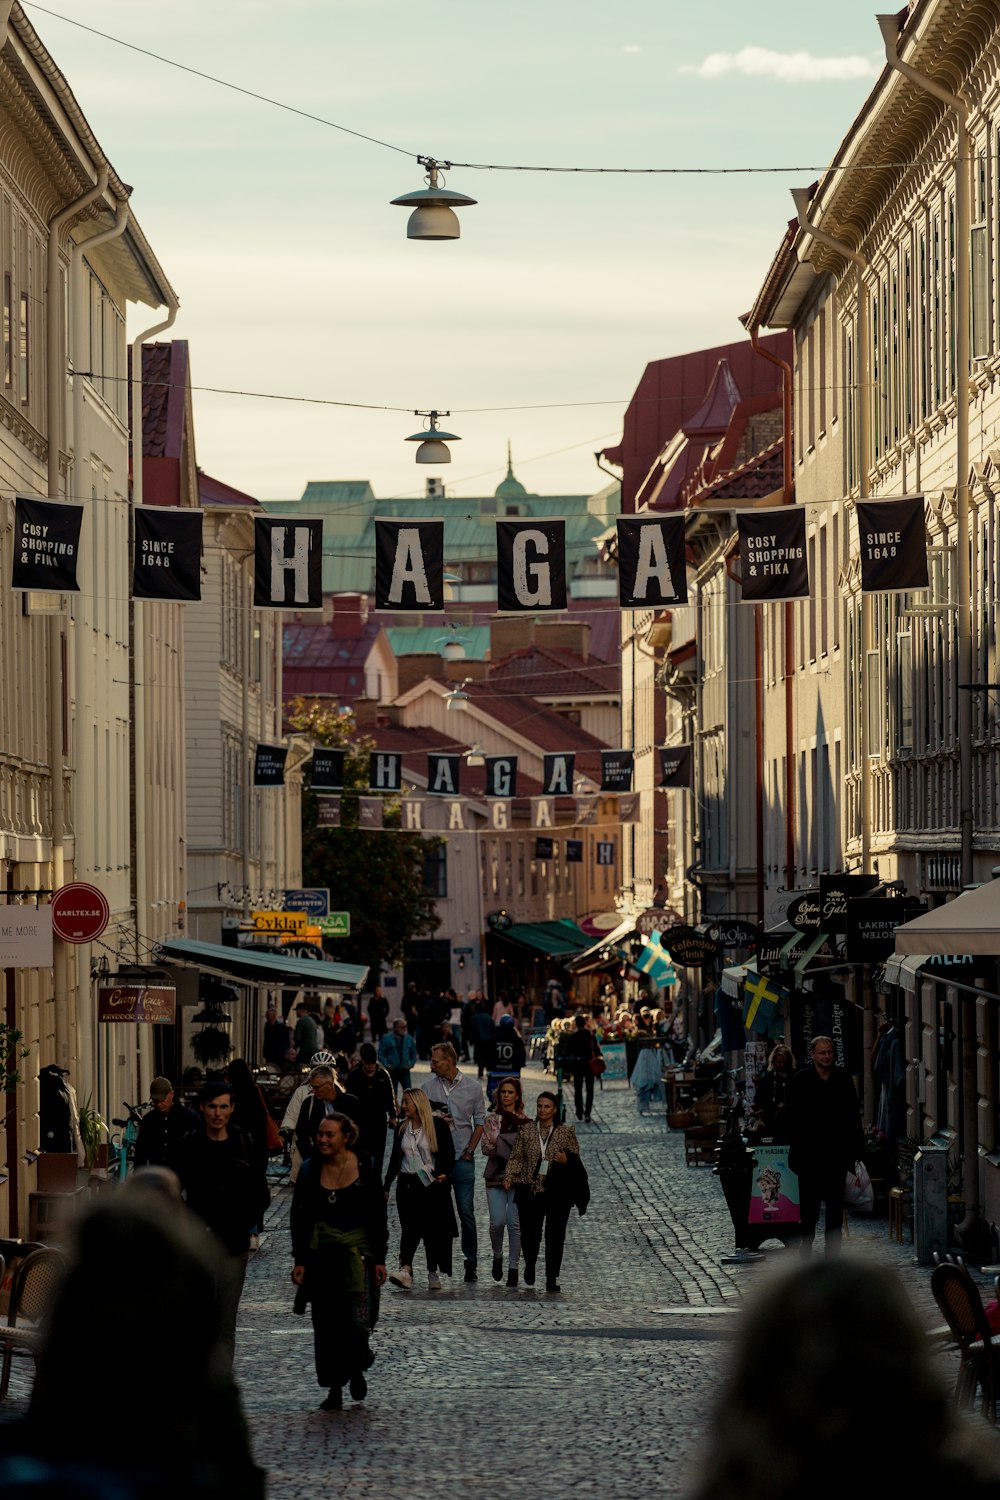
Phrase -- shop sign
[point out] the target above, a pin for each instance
(871, 928)
(25, 937)
(834, 893)
(769, 953)
(337, 924)
(313, 900)
(689, 947)
(80, 912)
(279, 921)
(137, 1002)
(804, 911)
(301, 950)
(734, 932)
(963, 967)
(774, 1188)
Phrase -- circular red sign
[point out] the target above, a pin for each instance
(80, 912)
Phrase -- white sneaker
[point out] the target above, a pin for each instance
(403, 1278)
(255, 1242)
(433, 1281)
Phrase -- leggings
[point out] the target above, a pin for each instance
(503, 1212)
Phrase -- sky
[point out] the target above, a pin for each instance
(295, 276)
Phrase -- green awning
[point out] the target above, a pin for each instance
(807, 954)
(561, 939)
(249, 967)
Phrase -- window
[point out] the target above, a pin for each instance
(436, 870)
(22, 350)
(981, 330)
(904, 690)
(8, 348)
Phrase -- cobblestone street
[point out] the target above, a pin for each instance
(601, 1389)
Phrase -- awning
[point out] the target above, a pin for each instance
(562, 939)
(903, 971)
(591, 958)
(807, 954)
(969, 924)
(734, 976)
(271, 968)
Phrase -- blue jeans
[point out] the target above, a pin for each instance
(463, 1180)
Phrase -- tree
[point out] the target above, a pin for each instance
(378, 876)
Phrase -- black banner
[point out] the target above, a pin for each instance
(370, 812)
(328, 769)
(616, 770)
(444, 775)
(773, 559)
(871, 928)
(327, 812)
(166, 562)
(651, 562)
(501, 775)
(675, 765)
(531, 565)
(893, 542)
(605, 852)
(557, 776)
(544, 848)
(574, 851)
(269, 765)
(288, 564)
(825, 1011)
(385, 771)
(409, 565)
(46, 546)
(834, 893)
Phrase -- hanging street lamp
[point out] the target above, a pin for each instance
(433, 216)
(433, 442)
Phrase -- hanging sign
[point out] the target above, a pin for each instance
(543, 812)
(46, 545)
(499, 813)
(892, 539)
(80, 912)
(734, 932)
(804, 912)
(314, 900)
(773, 559)
(166, 562)
(369, 812)
(327, 812)
(651, 562)
(501, 775)
(574, 851)
(25, 937)
(605, 852)
(531, 565)
(689, 947)
(771, 957)
(454, 815)
(269, 765)
(675, 765)
(385, 771)
(142, 1003)
(328, 769)
(834, 893)
(870, 935)
(628, 808)
(557, 775)
(544, 848)
(616, 770)
(443, 775)
(413, 814)
(409, 565)
(288, 564)
(586, 811)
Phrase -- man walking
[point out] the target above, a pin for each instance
(371, 1085)
(397, 1053)
(826, 1140)
(221, 1187)
(308, 1034)
(464, 1107)
(163, 1126)
(276, 1040)
(581, 1049)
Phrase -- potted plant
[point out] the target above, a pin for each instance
(92, 1128)
(211, 1045)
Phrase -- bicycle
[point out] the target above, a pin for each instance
(121, 1155)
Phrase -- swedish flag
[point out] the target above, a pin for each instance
(761, 999)
(654, 959)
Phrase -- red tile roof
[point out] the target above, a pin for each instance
(544, 672)
(213, 492)
(317, 662)
(165, 373)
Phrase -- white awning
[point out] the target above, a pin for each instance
(969, 924)
(903, 971)
(733, 977)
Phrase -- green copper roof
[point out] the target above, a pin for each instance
(422, 640)
(510, 488)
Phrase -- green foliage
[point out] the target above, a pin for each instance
(92, 1126)
(377, 876)
(211, 1045)
(11, 1054)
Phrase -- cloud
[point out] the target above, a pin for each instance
(631, 49)
(788, 67)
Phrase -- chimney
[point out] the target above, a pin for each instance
(350, 616)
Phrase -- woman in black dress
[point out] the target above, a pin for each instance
(339, 1242)
(770, 1105)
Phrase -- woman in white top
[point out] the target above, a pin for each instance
(422, 1158)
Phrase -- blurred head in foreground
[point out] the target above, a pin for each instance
(831, 1390)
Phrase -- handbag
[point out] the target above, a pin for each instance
(598, 1066)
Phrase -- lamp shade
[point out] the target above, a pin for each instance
(433, 216)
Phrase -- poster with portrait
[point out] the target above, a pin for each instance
(774, 1187)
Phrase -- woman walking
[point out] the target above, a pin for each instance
(339, 1242)
(422, 1158)
(503, 1121)
(770, 1104)
(540, 1169)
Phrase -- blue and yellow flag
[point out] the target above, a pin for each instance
(654, 959)
(761, 999)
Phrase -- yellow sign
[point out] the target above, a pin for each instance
(279, 921)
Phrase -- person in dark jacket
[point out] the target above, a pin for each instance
(339, 1243)
(371, 1085)
(163, 1126)
(824, 1128)
(328, 1098)
(214, 1164)
(506, 1054)
(770, 1103)
(581, 1048)
(378, 1015)
(276, 1041)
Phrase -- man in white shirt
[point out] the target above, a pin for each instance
(464, 1107)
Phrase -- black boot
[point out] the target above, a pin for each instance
(334, 1401)
(529, 1273)
(512, 1276)
(497, 1271)
(358, 1387)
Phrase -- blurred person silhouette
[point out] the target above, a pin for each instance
(137, 1304)
(818, 1353)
